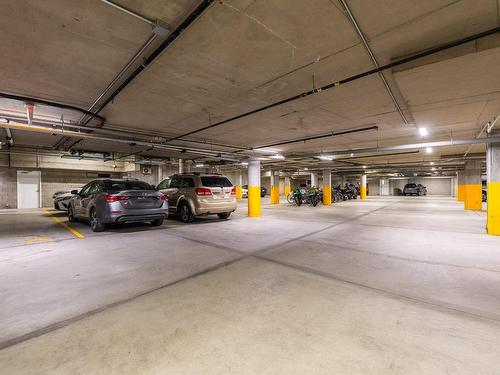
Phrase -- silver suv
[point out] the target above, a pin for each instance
(194, 194)
(110, 201)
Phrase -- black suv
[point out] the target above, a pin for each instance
(414, 189)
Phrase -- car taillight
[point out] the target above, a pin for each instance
(115, 198)
(233, 190)
(203, 191)
(163, 197)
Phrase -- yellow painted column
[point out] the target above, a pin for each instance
(363, 187)
(472, 185)
(287, 186)
(327, 187)
(493, 188)
(239, 186)
(493, 208)
(254, 188)
(460, 187)
(275, 187)
(239, 192)
(473, 197)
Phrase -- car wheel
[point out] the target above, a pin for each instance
(71, 214)
(185, 213)
(157, 222)
(95, 222)
(224, 215)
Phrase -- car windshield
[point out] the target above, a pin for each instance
(215, 181)
(411, 185)
(116, 185)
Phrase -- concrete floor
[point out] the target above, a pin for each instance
(388, 286)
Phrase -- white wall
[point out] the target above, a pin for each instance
(435, 186)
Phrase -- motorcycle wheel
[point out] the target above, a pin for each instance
(298, 201)
(289, 198)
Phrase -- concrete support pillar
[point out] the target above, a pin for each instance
(460, 186)
(239, 185)
(493, 190)
(472, 185)
(288, 189)
(327, 187)
(254, 188)
(275, 187)
(363, 187)
(314, 179)
(181, 166)
(188, 166)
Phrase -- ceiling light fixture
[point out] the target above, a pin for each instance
(364, 166)
(352, 154)
(433, 168)
(423, 131)
(428, 150)
(199, 165)
(277, 156)
(244, 163)
(431, 163)
(325, 157)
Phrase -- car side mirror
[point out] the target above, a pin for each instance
(74, 192)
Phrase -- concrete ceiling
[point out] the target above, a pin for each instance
(241, 55)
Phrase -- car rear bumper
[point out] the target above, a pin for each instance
(215, 207)
(139, 218)
(115, 213)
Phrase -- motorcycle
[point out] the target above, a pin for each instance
(313, 196)
(337, 194)
(297, 196)
(301, 195)
(351, 191)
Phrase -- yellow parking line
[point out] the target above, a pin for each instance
(73, 231)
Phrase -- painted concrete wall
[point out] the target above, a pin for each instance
(53, 180)
(373, 186)
(435, 186)
(63, 180)
(8, 188)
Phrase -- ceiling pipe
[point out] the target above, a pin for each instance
(354, 23)
(204, 5)
(48, 103)
(410, 146)
(160, 146)
(120, 74)
(30, 108)
(416, 56)
(10, 140)
(112, 131)
(128, 11)
(314, 137)
(487, 127)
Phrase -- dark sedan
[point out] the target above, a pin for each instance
(102, 202)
